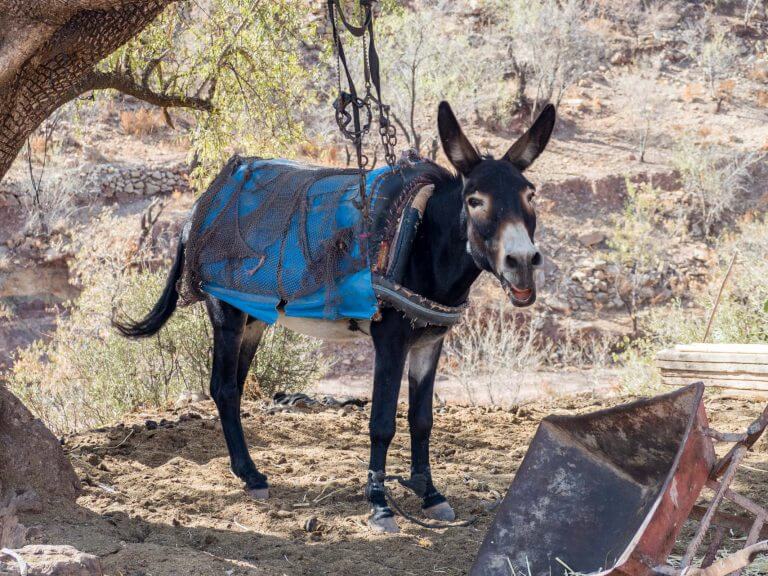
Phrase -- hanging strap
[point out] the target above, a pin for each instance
(372, 77)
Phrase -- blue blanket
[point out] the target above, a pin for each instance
(272, 234)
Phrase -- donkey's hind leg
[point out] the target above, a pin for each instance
(229, 327)
(254, 330)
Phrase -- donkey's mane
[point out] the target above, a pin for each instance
(437, 175)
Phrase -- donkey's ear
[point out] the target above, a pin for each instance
(457, 148)
(528, 147)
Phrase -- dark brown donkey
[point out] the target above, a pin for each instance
(481, 218)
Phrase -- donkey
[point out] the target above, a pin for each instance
(480, 218)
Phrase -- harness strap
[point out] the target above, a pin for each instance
(420, 309)
(351, 98)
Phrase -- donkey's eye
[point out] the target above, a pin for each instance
(475, 202)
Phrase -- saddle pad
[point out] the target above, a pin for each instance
(272, 234)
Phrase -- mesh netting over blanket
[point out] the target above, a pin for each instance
(276, 233)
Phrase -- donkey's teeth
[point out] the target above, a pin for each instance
(521, 294)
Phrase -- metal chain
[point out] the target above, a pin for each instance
(387, 130)
(388, 135)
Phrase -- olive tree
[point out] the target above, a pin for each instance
(49, 54)
(234, 63)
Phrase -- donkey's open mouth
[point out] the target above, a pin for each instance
(520, 297)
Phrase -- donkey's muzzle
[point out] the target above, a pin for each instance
(519, 296)
(518, 277)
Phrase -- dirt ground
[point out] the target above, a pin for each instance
(161, 501)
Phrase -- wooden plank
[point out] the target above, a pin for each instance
(751, 395)
(708, 357)
(732, 382)
(756, 385)
(713, 367)
(723, 348)
(714, 375)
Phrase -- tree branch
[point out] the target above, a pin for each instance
(44, 78)
(127, 85)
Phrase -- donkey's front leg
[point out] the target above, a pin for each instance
(228, 329)
(390, 340)
(422, 367)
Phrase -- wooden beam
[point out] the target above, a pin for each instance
(724, 348)
(712, 357)
(713, 367)
(678, 380)
(731, 521)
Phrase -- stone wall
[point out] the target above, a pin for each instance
(103, 181)
(114, 180)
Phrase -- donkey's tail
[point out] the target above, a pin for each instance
(163, 308)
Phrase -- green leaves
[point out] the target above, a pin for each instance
(243, 55)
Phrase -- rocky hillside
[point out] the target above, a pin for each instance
(117, 153)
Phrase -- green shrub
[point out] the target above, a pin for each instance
(713, 179)
(88, 375)
(286, 361)
(741, 318)
(635, 245)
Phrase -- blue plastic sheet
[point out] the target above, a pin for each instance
(276, 272)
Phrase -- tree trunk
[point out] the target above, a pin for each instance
(48, 51)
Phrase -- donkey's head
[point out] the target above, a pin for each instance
(498, 203)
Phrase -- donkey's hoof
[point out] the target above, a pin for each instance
(442, 511)
(258, 493)
(383, 525)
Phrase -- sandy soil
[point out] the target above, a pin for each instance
(162, 501)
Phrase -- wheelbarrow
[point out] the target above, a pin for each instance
(607, 493)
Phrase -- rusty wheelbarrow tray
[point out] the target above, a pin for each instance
(607, 493)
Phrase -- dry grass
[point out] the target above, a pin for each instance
(141, 122)
(693, 92)
(493, 343)
(762, 98)
(488, 344)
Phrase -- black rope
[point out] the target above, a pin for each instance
(361, 115)
(381, 479)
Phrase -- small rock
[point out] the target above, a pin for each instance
(187, 397)
(700, 254)
(578, 276)
(591, 238)
(311, 524)
(558, 305)
(46, 560)
(150, 425)
(621, 57)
